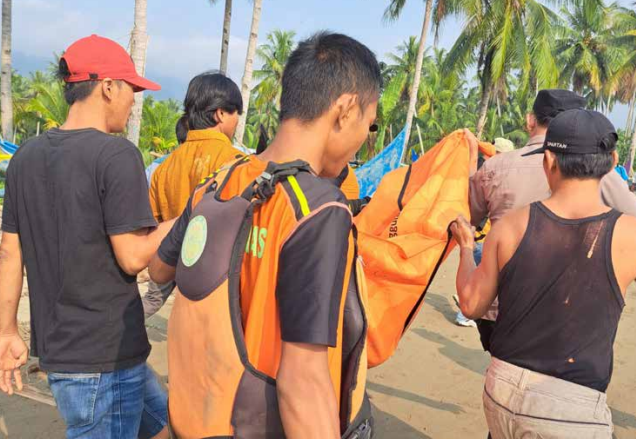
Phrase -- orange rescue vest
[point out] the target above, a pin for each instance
(223, 334)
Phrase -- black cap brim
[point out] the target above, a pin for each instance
(535, 152)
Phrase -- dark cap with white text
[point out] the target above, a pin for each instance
(579, 131)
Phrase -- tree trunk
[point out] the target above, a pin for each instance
(138, 45)
(6, 99)
(483, 108)
(225, 44)
(632, 153)
(246, 86)
(608, 104)
(415, 87)
(499, 115)
(630, 116)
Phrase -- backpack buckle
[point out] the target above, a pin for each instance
(264, 186)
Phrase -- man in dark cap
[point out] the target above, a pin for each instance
(509, 181)
(560, 269)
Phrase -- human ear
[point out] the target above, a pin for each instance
(531, 121)
(551, 161)
(108, 88)
(345, 106)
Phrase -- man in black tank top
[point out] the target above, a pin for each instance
(560, 269)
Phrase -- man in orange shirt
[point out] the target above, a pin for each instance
(212, 107)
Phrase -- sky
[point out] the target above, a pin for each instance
(185, 35)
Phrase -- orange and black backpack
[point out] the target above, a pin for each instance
(222, 362)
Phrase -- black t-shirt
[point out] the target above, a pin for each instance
(66, 193)
(312, 264)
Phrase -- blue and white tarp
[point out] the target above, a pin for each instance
(6, 148)
(370, 174)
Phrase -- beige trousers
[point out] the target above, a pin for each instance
(521, 404)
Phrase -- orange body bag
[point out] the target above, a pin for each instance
(403, 237)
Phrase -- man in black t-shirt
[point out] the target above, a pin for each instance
(77, 215)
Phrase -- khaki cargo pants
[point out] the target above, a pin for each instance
(521, 404)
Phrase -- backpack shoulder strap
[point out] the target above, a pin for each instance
(211, 183)
(264, 186)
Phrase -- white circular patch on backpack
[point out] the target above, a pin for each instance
(194, 241)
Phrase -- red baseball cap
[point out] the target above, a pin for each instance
(93, 58)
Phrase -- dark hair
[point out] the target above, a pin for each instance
(74, 91)
(585, 166)
(207, 92)
(322, 69)
(543, 119)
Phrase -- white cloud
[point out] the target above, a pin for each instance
(185, 57)
(41, 28)
(44, 27)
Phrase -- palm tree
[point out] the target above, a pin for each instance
(392, 13)
(6, 101)
(138, 45)
(439, 100)
(48, 103)
(500, 36)
(274, 55)
(157, 130)
(437, 11)
(225, 42)
(627, 71)
(584, 49)
(403, 65)
(249, 62)
(26, 123)
(265, 100)
(398, 79)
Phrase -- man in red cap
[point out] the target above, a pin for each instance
(77, 214)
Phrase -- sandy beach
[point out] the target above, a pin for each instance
(431, 388)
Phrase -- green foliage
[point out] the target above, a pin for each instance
(159, 119)
(265, 98)
(517, 47)
(39, 105)
(624, 143)
(588, 61)
(48, 103)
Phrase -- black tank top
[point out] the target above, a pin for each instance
(559, 300)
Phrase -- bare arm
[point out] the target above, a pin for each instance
(162, 267)
(13, 351)
(160, 272)
(623, 246)
(476, 286)
(306, 396)
(135, 249)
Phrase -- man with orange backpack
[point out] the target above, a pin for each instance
(270, 296)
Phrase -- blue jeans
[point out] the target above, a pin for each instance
(125, 404)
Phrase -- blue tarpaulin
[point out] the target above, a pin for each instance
(8, 147)
(370, 174)
(622, 172)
